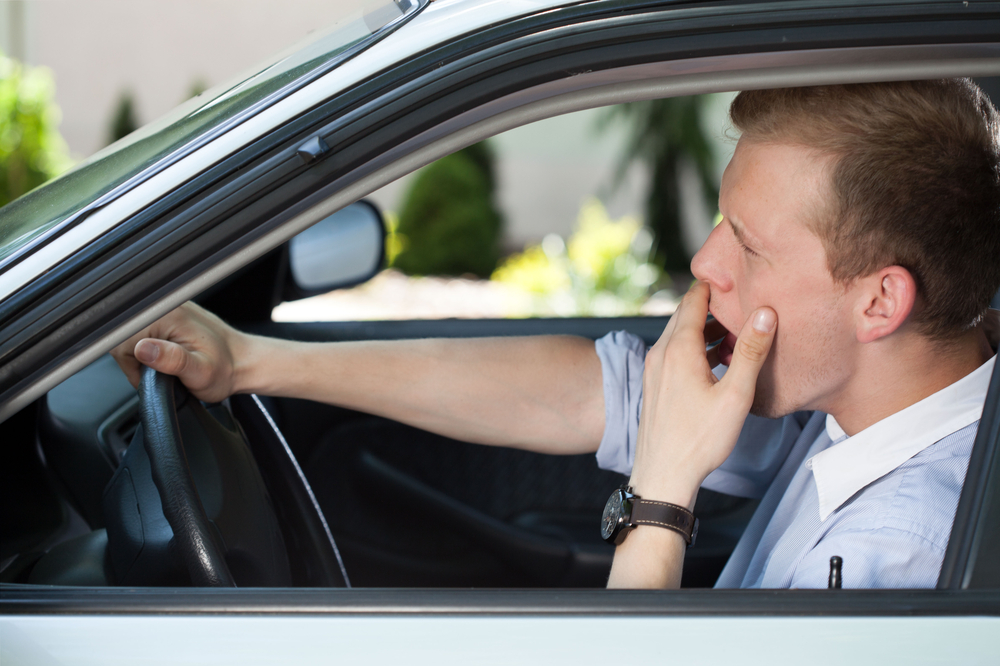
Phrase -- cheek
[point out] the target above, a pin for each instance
(755, 289)
(809, 340)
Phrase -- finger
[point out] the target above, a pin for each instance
(128, 365)
(752, 347)
(124, 355)
(692, 313)
(668, 330)
(172, 359)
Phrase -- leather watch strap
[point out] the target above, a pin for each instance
(664, 514)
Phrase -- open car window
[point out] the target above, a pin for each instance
(546, 220)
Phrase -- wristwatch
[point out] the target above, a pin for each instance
(624, 511)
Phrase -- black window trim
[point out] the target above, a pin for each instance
(973, 548)
(23, 600)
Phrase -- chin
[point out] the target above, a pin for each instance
(766, 407)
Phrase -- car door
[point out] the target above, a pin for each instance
(408, 114)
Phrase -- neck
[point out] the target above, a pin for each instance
(900, 370)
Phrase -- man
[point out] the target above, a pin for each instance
(849, 278)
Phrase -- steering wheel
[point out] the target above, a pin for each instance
(212, 495)
(159, 398)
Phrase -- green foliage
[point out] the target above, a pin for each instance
(448, 224)
(31, 148)
(123, 122)
(602, 270)
(665, 132)
(197, 88)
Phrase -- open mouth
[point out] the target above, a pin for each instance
(726, 348)
(727, 345)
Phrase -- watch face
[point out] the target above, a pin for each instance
(612, 514)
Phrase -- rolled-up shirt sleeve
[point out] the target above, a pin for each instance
(760, 450)
(623, 358)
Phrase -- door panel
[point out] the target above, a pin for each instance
(411, 508)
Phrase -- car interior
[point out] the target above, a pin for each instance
(302, 494)
(406, 508)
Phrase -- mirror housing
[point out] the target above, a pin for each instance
(342, 250)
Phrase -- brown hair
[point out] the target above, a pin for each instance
(916, 184)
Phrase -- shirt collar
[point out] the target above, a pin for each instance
(849, 465)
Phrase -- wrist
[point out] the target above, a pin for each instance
(682, 492)
(248, 354)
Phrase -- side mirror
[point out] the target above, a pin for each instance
(342, 250)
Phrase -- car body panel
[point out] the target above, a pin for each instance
(526, 639)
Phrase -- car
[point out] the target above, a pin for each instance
(351, 537)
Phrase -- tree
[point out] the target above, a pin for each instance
(31, 148)
(124, 121)
(664, 133)
(449, 224)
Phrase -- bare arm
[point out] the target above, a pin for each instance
(539, 393)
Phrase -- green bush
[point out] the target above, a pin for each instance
(602, 270)
(124, 121)
(31, 149)
(448, 224)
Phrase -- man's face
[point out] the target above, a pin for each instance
(763, 252)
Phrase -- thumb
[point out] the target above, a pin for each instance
(752, 347)
(163, 356)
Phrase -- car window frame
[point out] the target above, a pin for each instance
(383, 131)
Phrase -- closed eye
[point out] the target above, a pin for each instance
(739, 238)
(746, 249)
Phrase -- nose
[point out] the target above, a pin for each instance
(710, 264)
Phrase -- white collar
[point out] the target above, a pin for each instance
(848, 466)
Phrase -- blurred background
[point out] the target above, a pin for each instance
(595, 213)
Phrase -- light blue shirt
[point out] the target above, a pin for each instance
(884, 500)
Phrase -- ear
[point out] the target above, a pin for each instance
(886, 299)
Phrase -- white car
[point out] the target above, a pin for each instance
(355, 539)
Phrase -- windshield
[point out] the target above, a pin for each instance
(51, 208)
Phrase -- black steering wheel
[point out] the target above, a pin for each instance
(198, 500)
(204, 557)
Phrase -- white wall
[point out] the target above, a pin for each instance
(157, 50)
(546, 170)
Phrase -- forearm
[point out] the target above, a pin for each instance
(539, 393)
